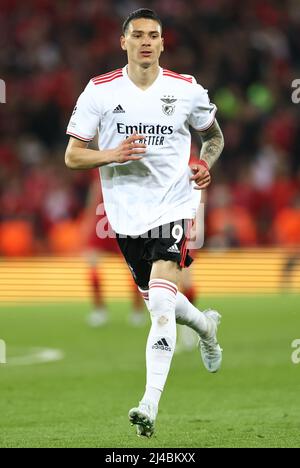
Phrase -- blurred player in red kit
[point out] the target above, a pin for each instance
(96, 248)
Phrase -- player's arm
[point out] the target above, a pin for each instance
(212, 144)
(79, 156)
(212, 147)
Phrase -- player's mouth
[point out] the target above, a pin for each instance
(146, 53)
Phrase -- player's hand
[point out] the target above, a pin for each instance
(201, 175)
(130, 149)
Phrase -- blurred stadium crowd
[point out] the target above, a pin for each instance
(247, 53)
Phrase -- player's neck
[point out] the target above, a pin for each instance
(143, 77)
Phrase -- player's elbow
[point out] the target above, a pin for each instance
(69, 160)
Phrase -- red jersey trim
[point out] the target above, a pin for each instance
(108, 74)
(79, 137)
(107, 78)
(177, 75)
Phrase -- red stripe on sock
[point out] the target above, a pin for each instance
(164, 287)
(163, 283)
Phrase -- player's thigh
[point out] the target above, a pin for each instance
(132, 250)
(167, 270)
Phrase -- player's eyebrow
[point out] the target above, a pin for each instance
(140, 31)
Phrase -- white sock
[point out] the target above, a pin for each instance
(186, 312)
(152, 394)
(162, 337)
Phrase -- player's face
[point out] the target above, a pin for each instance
(143, 42)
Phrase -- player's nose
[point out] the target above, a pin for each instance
(146, 42)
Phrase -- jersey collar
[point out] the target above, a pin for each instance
(125, 74)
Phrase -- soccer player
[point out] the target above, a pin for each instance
(143, 113)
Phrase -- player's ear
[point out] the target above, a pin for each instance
(162, 44)
(122, 42)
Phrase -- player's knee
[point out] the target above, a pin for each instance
(159, 306)
(162, 303)
(161, 314)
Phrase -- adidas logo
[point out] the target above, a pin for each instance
(173, 249)
(118, 110)
(162, 344)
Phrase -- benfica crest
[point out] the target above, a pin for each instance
(168, 106)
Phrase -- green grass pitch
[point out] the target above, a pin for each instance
(83, 400)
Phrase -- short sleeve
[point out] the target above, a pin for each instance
(86, 116)
(203, 112)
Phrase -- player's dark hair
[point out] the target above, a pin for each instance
(141, 13)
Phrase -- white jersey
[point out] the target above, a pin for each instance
(141, 195)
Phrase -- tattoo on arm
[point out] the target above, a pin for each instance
(212, 144)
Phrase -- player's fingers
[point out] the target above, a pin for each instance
(134, 146)
(202, 186)
(137, 145)
(136, 151)
(202, 175)
(199, 174)
(134, 137)
(203, 179)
